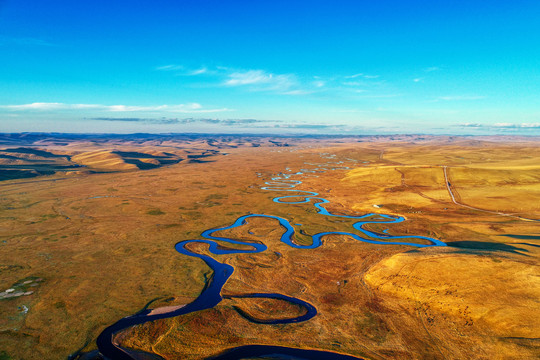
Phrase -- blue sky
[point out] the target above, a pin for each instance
(270, 66)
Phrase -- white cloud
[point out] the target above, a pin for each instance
(251, 79)
(432, 68)
(522, 125)
(175, 108)
(530, 125)
(261, 79)
(34, 106)
(363, 83)
(473, 125)
(198, 71)
(417, 80)
(365, 76)
(501, 126)
(248, 78)
(283, 84)
(182, 70)
(171, 67)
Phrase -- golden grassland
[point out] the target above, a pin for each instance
(103, 244)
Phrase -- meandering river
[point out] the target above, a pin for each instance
(211, 295)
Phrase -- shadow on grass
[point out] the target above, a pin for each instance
(523, 237)
(486, 246)
(16, 174)
(23, 150)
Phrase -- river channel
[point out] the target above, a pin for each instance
(211, 294)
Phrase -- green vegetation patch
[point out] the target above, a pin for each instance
(155, 212)
(233, 213)
(60, 305)
(216, 196)
(193, 215)
(9, 267)
(167, 226)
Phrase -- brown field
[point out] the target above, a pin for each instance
(89, 226)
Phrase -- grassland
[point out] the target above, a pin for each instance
(100, 240)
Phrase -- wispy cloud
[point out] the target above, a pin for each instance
(170, 67)
(251, 124)
(199, 71)
(35, 106)
(460, 97)
(522, 125)
(225, 122)
(501, 126)
(417, 80)
(182, 70)
(176, 108)
(261, 80)
(250, 79)
(432, 68)
(365, 76)
(363, 82)
(309, 126)
(470, 125)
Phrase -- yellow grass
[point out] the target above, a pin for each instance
(103, 244)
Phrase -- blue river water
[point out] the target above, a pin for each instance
(211, 294)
